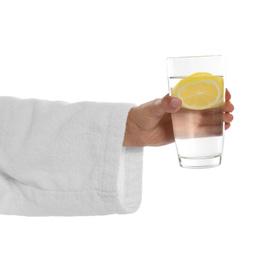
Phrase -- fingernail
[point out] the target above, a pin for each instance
(175, 103)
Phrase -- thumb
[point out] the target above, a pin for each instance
(167, 104)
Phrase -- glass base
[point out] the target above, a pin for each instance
(200, 163)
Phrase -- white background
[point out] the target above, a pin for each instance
(116, 51)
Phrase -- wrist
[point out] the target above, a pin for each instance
(132, 132)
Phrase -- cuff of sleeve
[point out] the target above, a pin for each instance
(130, 179)
(121, 181)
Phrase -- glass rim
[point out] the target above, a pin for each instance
(199, 56)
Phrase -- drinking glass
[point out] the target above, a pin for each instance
(198, 126)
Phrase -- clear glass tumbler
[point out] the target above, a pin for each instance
(198, 126)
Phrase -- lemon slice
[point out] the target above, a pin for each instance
(200, 91)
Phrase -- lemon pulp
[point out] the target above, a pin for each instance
(200, 91)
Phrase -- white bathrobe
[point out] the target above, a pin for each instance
(66, 159)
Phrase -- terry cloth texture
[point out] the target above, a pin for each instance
(66, 159)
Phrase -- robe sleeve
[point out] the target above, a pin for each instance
(66, 159)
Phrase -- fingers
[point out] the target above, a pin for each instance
(168, 104)
(203, 123)
(227, 95)
(229, 107)
(226, 107)
(209, 117)
(228, 118)
(207, 131)
(215, 119)
(227, 125)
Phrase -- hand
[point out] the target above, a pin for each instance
(150, 124)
